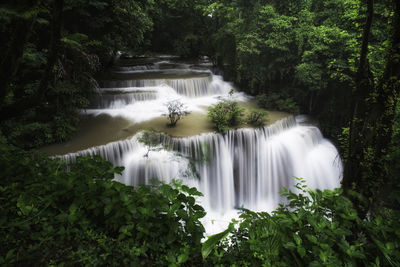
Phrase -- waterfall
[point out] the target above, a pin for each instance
(114, 101)
(147, 99)
(243, 168)
(133, 69)
(189, 87)
(159, 65)
(113, 152)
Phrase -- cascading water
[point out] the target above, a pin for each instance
(141, 100)
(191, 87)
(243, 168)
(109, 100)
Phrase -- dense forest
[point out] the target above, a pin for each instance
(337, 60)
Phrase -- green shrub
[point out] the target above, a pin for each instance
(81, 217)
(151, 139)
(274, 101)
(225, 114)
(27, 133)
(50, 216)
(315, 228)
(257, 118)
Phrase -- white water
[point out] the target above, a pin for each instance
(147, 98)
(189, 87)
(243, 168)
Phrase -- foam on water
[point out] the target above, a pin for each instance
(124, 101)
(244, 168)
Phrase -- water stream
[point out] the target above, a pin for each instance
(244, 168)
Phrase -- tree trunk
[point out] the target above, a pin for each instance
(388, 89)
(362, 90)
(18, 108)
(54, 48)
(388, 93)
(371, 126)
(10, 63)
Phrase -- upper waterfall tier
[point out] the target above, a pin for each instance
(189, 87)
(138, 65)
(139, 89)
(144, 100)
(119, 99)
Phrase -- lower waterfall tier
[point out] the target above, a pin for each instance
(243, 168)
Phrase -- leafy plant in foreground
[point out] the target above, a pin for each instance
(315, 228)
(81, 217)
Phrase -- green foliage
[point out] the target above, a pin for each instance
(276, 102)
(55, 60)
(50, 216)
(168, 35)
(226, 114)
(150, 138)
(50, 122)
(315, 228)
(297, 55)
(306, 50)
(81, 217)
(393, 163)
(343, 139)
(257, 118)
(213, 240)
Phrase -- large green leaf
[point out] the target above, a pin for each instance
(213, 240)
